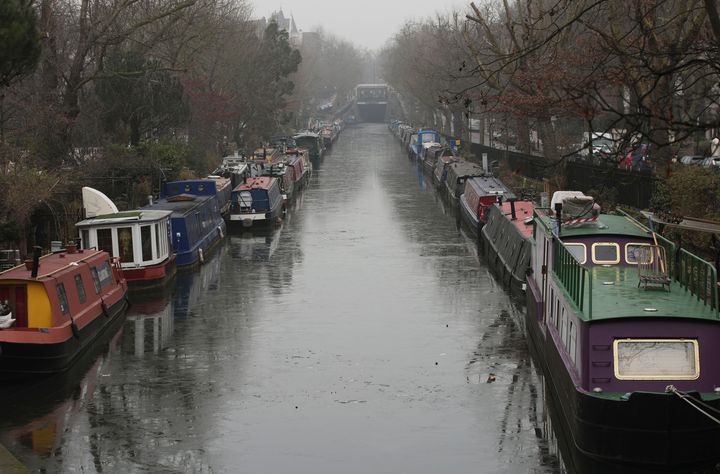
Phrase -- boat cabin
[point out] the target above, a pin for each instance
(257, 200)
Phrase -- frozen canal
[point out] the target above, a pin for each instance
(362, 336)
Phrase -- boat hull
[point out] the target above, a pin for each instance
(151, 277)
(59, 350)
(657, 430)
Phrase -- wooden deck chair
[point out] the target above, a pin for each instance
(653, 268)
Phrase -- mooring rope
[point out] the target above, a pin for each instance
(691, 401)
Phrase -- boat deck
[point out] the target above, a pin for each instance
(615, 294)
(523, 210)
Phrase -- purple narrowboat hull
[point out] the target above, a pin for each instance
(652, 429)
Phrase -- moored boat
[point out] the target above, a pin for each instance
(627, 329)
(196, 222)
(506, 237)
(440, 169)
(312, 142)
(140, 239)
(256, 202)
(457, 173)
(481, 193)
(60, 304)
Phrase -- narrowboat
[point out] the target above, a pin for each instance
(299, 166)
(481, 193)
(311, 142)
(256, 202)
(441, 168)
(140, 239)
(233, 167)
(627, 329)
(457, 173)
(284, 176)
(506, 238)
(59, 304)
(223, 189)
(328, 137)
(419, 139)
(196, 223)
(430, 153)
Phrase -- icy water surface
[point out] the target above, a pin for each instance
(359, 337)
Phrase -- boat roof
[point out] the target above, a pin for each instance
(139, 215)
(178, 204)
(263, 182)
(490, 185)
(615, 294)
(50, 264)
(607, 224)
(306, 135)
(523, 211)
(464, 168)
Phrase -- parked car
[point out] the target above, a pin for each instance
(692, 159)
(712, 162)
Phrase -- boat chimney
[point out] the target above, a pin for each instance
(485, 162)
(35, 261)
(150, 200)
(558, 215)
(512, 210)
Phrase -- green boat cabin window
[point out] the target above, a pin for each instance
(146, 242)
(579, 251)
(62, 298)
(80, 288)
(605, 253)
(96, 279)
(656, 359)
(633, 252)
(104, 240)
(125, 244)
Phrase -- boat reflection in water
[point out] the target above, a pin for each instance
(150, 324)
(34, 431)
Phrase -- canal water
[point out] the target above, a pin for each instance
(364, 335)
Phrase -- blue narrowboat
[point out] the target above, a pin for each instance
(196, 222)
(420, 138)
(256, 202)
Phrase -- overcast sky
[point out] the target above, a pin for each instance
(367, 23)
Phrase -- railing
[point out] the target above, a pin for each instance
(699, 277)
(573, 277)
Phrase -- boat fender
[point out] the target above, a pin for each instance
(220, 231)
(75, 330)
(201, 257)
(127, 302)
(105, 310)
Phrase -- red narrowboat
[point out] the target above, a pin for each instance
(58, 305)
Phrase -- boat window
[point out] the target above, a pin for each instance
(656, 359)
(62, 298)
(146, 242)
(80, 288)
(85, 239)
(125, 244)
(579, 251)
(104, 274)
(95, 279)
(245, 200)
(572, 341)
(632, 252)
(104, 240)
(187, 188)
(158, 236)
(201, 187)
(605, 253)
